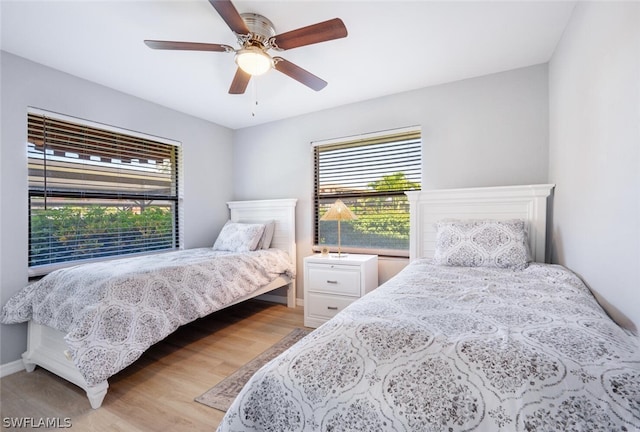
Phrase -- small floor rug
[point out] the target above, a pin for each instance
(222, 394)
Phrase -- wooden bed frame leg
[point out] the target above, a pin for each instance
(291, 295)
(97, 393)
(29, 366)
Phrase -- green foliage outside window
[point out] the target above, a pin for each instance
(88, 231)
(387, 216)
(383, 220)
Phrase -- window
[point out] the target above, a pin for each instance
(96, 191)
(369, 174)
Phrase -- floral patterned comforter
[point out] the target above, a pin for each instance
(113, 311)
(454, 349)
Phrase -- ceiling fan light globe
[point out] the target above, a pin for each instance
(253, 61)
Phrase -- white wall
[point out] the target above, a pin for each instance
(207, 151)
(594, 154)
(486, 131)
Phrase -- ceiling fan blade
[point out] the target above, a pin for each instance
(188, 46)
(320, 32)
(230, 15)
(240, 82)
(299, 74)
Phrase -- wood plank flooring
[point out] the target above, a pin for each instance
(156, 392)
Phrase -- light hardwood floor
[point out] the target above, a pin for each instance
(157, 392)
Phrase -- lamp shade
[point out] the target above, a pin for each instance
(253, 60)
(338, 212)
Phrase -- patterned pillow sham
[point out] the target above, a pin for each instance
(482, 243)
(238, 237)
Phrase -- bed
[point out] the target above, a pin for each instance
(458, 341)
(87, 322)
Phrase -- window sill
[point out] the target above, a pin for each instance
(389, 253)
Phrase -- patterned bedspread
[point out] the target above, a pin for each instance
(113, 311)
(454, 349)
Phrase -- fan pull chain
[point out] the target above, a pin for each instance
(254, 97)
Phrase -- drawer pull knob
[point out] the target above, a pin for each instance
(332, 281)
(332, 307)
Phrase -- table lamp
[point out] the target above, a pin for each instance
(338, 212)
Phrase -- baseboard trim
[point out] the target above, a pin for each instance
(11, 368)
(273, 298)
(279, 299)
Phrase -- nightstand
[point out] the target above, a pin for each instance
(332, 283)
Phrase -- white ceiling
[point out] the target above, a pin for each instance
(392, 46)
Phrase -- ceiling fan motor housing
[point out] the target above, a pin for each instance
(262, 30)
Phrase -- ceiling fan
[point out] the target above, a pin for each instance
(256, 36)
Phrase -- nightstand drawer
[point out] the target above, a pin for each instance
(335, 279)
(326, 306)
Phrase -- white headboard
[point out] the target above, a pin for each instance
(527, 202)
(283, 211)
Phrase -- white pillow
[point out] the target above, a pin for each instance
(267, 235)
(238, 237)
(482, 243)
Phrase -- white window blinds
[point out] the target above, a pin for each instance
(97, 192)
(370, 175)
